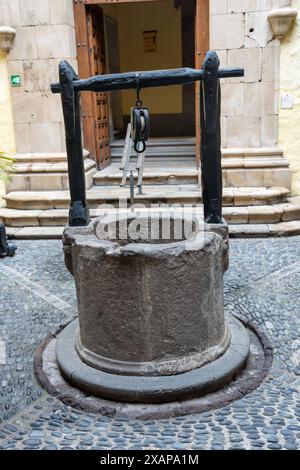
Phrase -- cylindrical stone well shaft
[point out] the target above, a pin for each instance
(150, 298)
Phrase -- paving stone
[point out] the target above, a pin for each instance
(291, 446)
(32, 442)
(274, 447)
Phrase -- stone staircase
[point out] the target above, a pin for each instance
(256, 200)
(46, 172)
(162, 150)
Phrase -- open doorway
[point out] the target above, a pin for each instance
(138, 35)
(150, 36)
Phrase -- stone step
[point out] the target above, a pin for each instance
(263, 157)
(161, 142)
(49, 167)
(176, 149)
(162, 158)
(154, 173)
(48, 181)
(34, 172)
(252, 215)
(170, 148)
(268, 214)
(252, 152)
(235, 174)
(171, 194)
(282, 229)
(227, 163)
(257, 176)
(44, 157)
(161, 152)
(156, 143)
(35, 233)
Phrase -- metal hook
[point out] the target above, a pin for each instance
(138, 102)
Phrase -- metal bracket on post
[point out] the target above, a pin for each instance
(211, 156)
(6, 248)
(79, 212)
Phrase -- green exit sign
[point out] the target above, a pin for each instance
(15, 80)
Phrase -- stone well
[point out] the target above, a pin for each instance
(151, 317)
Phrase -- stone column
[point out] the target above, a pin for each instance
(7, 133)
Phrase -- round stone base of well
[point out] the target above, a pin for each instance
(249, 374)
(153, 389)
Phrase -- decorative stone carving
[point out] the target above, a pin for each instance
(7, 35)
(282, 20)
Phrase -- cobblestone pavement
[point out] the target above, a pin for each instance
(37, 295)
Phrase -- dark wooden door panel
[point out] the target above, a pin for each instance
(84, 72)
(96, 49)
(91, 61)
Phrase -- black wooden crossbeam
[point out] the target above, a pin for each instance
(155, 78)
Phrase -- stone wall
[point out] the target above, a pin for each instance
(289, 119)
(45, 35)
(242, 36)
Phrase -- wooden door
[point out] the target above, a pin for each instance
(202, 32)
(113, 64)
(96, 47)
(91, 61)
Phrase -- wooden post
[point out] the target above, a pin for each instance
(79, 213)
(212, 185)
(202, 46)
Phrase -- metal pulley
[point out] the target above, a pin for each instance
(140, 121)
(140, 128)
(137, 134)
